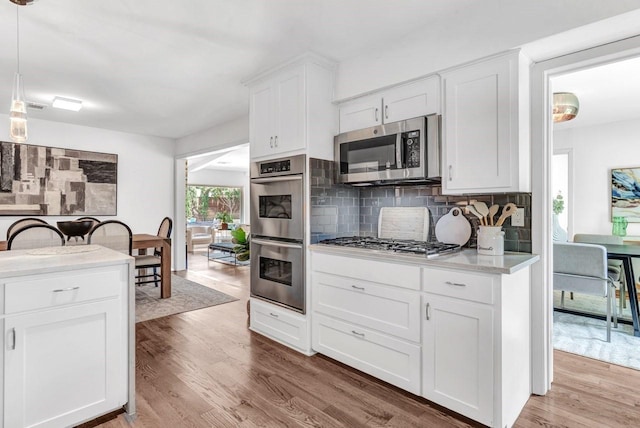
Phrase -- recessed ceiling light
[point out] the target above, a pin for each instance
(67, 103)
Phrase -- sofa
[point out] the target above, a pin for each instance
(199, 235)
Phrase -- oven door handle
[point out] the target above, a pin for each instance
(275, 179)
(267, 242)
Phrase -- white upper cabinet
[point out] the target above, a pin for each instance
(291, 112)
(418, 98)
(486, 126)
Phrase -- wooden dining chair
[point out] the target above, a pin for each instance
(153, 261)
(17, 225)
(35, 236)
(112, 234)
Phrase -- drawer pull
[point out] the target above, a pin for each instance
(273, 315)
(457, 284)
(357, 334)
(60, 290)
(13, 339)
(357, 288)
(428, 311)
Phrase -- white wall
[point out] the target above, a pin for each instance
(213, 177)
(597, 149)
(229, 134)
(145, 169)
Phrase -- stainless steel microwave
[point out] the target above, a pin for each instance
(399, 152)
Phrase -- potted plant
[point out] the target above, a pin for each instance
(225, 218)
(241, 239)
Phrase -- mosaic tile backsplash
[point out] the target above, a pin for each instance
(342, 210)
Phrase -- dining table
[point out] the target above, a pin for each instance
(142, 242)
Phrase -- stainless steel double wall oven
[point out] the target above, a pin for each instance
(277, 226)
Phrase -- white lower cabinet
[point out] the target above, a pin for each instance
(280, 324)
(462, 339)
(457, 356)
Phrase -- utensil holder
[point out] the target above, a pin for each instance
(491, 240)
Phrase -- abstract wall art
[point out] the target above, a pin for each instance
(39, 180)
(625, 194)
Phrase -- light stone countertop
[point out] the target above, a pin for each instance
(56, 259)
(467, 259)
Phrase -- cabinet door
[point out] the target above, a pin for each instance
(289, 110)
(361, 113)
(412, 100)
(480, 137)
(64, 366)
(261, 119)
(458, 356)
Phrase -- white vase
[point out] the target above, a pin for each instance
(559, 234)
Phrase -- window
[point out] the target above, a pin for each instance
(206, 203)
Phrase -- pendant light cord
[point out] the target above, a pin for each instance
(18, 38)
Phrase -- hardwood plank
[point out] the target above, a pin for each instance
(206, 369)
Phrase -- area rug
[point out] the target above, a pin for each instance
(185, 296)
(588, 337)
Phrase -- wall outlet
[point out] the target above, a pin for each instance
(517, 219)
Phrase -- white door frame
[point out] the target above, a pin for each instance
(541, 221)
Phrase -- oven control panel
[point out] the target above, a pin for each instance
(277, 166)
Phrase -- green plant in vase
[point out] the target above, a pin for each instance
(241, 239)
(225, 218)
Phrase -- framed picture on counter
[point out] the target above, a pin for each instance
(625, 194)
(40, 181)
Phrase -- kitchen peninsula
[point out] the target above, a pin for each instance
(454, 329)
(67, 316)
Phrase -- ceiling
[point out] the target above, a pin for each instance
(230, 159)
(608, 93)
(169, 68)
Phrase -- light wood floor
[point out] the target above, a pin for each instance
(206, 369)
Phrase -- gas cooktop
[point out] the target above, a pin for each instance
(429, 249)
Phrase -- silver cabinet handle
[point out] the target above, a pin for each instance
(275, 141)
(376, 117)
(357, 288)
(13, 339)
(427, 311)
(386, 112)
(60, 290)
(459, 284)
(357, 334)
(450, 173)
(273, 315)
(271, 142)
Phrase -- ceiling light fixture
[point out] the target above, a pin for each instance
(18, 111)
(67, 103)
(565, 106)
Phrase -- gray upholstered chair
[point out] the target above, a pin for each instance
(616, 270)
(18, 224)
(112, 234)
(153, 261)
(582, 269)
(35, 236)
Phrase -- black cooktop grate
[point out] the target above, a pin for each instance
(430, 249)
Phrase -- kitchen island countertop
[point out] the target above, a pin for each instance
(467, 259)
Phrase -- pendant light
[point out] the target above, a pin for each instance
(18, 111)
(565, 106)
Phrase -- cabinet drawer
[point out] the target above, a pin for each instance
(461, 285)
(62, 288)
(279, 324)
(391, 310)
(396, 274)
(392, 360)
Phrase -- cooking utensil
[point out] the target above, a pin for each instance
(507, 211)
(404, 223)
(472, 210)
(493, 210)
(453, 228)
(481, 207)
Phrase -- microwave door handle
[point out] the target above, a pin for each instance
(399, 151)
